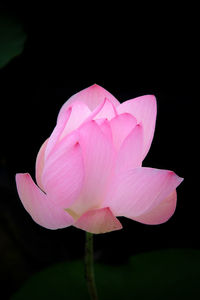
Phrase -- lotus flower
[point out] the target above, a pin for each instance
(89, 171)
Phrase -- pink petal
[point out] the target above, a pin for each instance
(121, 127)
(80, 112)
(130, 152)
(107, 111)
(63, 172)
(98, 221)
(140, 190)
(55, 136)
(39, 166)
(91, 96)
(98, 160)
(104, 125)
(144, 110)
(89, 117)
(37, 204)
(161, 213)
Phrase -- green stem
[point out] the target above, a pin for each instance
(89, 266)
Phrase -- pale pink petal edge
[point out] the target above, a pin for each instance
(161, 213)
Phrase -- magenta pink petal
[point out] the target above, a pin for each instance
(100, 110)
(130, 152)
(140, 190)
(98, 221)
(144, 110)
(107, 111)
(37, 204)
(98, 160)
(121, 127)
(95, 111)
(55, 136)
(91, 96)
(161, 213)
(79, 113)
(63, 172)
(39, 166)
(104, 125)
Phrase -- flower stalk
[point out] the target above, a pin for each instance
(89, 266)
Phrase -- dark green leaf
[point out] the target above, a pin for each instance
(12, 38)
(167, 274)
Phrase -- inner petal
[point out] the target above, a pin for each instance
(108, 110)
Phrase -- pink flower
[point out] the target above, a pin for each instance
(89, 171)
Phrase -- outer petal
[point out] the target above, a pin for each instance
(80, 112)
(121, 126)
(98, 160)
(98, 221)
(140, 190)
(130, 152)
(91, 96)
(144, 110)
(160, 213)
(39, 166)
(37, 204)
(55, 136)
(69, 119)
(63, 172)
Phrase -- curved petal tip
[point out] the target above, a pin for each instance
(37, 204)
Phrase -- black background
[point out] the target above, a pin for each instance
(64, 53)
